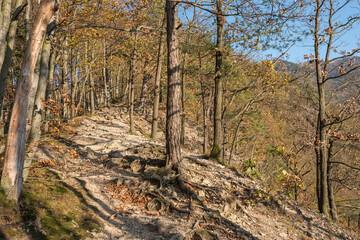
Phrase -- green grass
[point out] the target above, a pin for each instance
(48, 209)
(9, 219)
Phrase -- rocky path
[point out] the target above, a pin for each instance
(120, 177)
(103, 141)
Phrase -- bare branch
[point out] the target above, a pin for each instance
(347, 165)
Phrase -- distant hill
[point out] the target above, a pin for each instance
(345, 86)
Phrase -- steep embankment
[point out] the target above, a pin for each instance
(121, 178)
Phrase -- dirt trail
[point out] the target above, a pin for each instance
(120, 176)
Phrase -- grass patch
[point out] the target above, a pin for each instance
(10, 219)
(56, 210)
(48, 209)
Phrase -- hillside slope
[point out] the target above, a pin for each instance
(122, 180)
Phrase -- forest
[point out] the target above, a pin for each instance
(213, 78)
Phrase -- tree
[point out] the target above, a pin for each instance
(173, 150)
(217, 149)
(5, 13)
(155, 120)
(11, 179)
(9, 50)
(323, 67)
(248, 22)
(35, 132)
(132, 82)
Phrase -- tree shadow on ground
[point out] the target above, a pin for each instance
(311, 225)
(113, 163)
(104, 212)
(147, 155)
(49, 210)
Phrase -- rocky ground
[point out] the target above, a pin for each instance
(123, 181)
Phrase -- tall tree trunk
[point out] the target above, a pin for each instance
(35, 132)
(206, 109)
(173, 150)
(9, 50)
(84, 84)
(144, 89)
(125, 89)
(161, 89)
(131, 85)
(322, 142)
(217, 149)
(331, 196)
(74, 84)
(11, 180)
(33, 91)
(183, 114)
(125, 86)
(102, 96)
(233, 143)
(27, 20)
(106, 80)
(65, 81)
(50, 87)
(317, 162)
(92, 86)
(82, 94)
(117, 84)
(5, 18)
(155, 120)
(112, 83)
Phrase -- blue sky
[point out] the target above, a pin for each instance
(349, 41)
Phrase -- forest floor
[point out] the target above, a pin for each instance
(96, 181)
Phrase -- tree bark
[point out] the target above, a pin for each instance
(65, 80)
(35, 132)
(82, 94)
(33, 90)
(84, 84)
(144, 89)
(206, 109)
(331, 197)
(50, 87)
(27, 20)
(74, 84)
(173, 150)
(183, 114)
(118, 84)
(106, 80)
(11, 180)
(321, 143)
(92, 85)
(5, 18)
(125, 88)
(155, 120)
(9, 50)
(332, 203)
(131, 85)
(217, 149)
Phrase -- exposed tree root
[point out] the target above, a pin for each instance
(167, 196)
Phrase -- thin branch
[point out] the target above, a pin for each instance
(341, 75)
(17, 12)
(347, 165)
